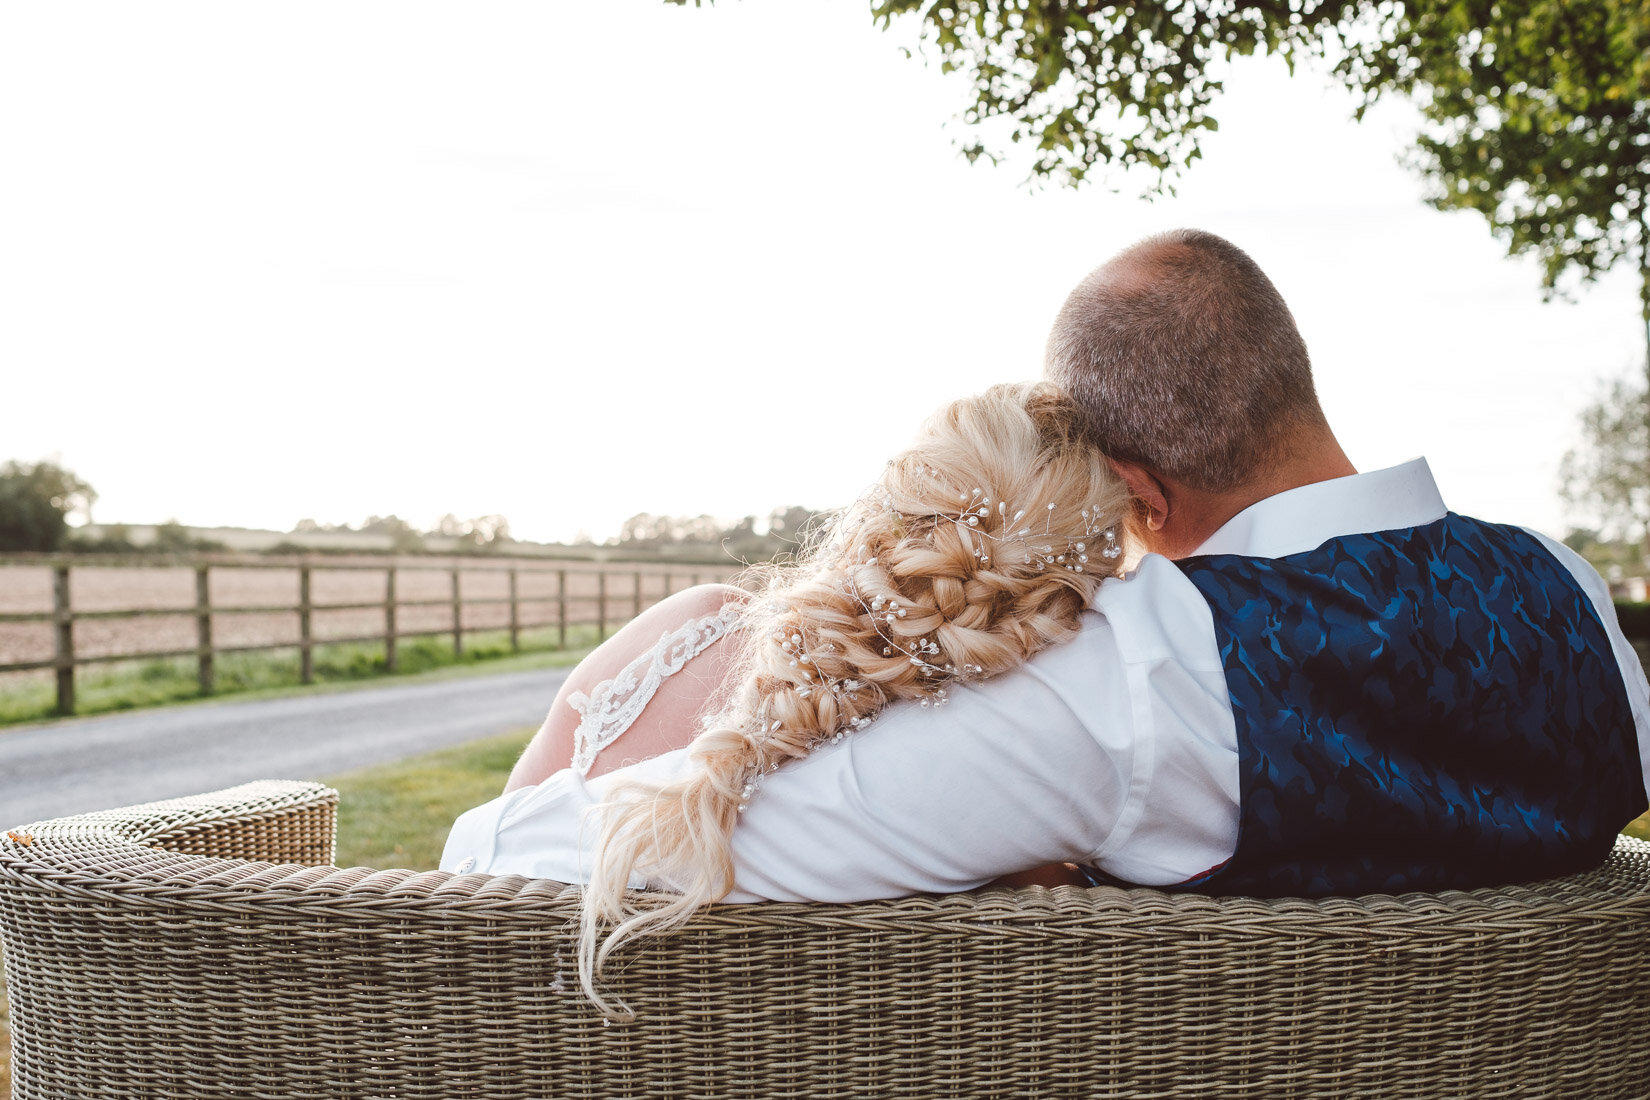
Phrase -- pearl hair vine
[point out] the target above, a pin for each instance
(975, 513)
(888, 611)
(846, 690)
(974, 519)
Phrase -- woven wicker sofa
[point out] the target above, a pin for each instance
(205, 947)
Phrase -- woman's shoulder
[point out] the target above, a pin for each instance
(698, 602)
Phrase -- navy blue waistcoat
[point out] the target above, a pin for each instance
(1418, 709)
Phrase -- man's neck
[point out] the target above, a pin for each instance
(1197, 515)
(1323, 462)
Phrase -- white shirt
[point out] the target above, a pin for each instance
(1117, 749)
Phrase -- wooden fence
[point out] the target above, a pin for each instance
(537, 595)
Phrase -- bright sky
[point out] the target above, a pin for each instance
(260, 262)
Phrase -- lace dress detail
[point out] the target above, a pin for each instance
(613, 705)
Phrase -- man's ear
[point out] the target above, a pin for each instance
(1146, 488)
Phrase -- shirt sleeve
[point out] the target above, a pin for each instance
(1632, 668)
(1002, 777)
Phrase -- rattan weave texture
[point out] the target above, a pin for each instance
(204, 948)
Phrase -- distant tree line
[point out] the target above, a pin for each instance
(1614, 558)
(483, 534)
(170, 537)
(783, 532)
(1606, 477)
(38, 499)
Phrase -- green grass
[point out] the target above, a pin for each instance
(397, 815)
(127, 685)
(1639, 828)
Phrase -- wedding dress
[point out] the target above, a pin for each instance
(612, 706)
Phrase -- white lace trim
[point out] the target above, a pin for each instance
(613, 705)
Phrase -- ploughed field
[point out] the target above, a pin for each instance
(170, 590)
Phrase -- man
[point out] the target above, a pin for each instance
(1446, 703)
(1318, 682)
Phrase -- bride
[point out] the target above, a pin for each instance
(979, 546)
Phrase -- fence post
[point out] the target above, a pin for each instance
(515, 615)
(389, 619)
(637, 595)
(306, 635)
(458, 618)
(601, 605)
(63, 622)
(203, 629)
(561, 609)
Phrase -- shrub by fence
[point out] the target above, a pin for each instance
(142, 606)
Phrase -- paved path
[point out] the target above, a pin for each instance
(116, 760)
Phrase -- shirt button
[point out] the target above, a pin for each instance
(464, 865)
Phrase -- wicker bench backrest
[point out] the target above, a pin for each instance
(205, 947)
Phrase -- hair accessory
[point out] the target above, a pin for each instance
(986, 527)
(1069, 552)
(846, 689)
(883, 612)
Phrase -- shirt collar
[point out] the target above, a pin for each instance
(1304, 518)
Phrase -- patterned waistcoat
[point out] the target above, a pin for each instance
(1418, 709)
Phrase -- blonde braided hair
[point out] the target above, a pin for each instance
(980, 546)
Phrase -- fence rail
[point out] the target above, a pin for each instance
(583, 594)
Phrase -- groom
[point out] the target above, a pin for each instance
(1319, 682)
(1419, 700)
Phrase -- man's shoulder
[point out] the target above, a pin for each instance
(1450, 542)
(1155, 613)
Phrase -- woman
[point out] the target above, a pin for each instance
(980, 545)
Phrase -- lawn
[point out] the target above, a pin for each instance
(397, 815)
(1639, 828)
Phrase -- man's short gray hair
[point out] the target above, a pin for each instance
(1184, 358)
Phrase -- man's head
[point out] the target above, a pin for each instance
(1188, 366)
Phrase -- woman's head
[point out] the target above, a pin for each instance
(996, 517)
(980, 545)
